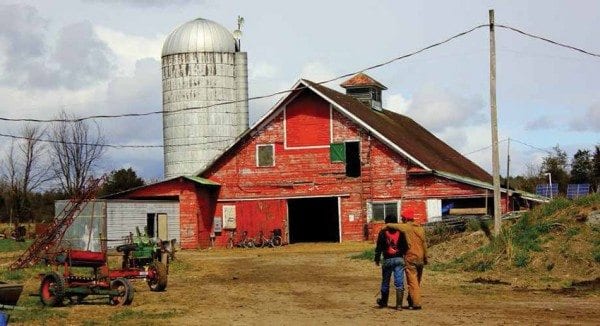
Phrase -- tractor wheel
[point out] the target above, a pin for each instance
(159, 281)
(125, 296)
(52, 289)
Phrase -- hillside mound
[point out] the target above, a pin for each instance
(555, 245)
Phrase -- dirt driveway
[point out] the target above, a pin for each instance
(317, 284)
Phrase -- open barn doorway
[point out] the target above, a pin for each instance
(314, 220)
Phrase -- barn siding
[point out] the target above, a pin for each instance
(308, 172)
(195, 213)
(124, 216)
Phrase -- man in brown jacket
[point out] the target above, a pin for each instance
(416, 256)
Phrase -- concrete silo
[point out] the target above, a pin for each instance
(202, 65)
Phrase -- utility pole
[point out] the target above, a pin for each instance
(508, 176)
(494, 119)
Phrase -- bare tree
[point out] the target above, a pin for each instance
(77, 149)
(24, 171)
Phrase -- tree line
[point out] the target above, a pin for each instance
(34, 173)
(583, 167)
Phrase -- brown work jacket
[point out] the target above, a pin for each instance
(415, 236)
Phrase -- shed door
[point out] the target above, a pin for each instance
(163, 226)
(434, 210)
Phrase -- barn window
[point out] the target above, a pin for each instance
(265, 155)
(353, 159)
(380, 210)
(337, 152)
(349, 153)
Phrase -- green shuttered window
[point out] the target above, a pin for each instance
(337, 152)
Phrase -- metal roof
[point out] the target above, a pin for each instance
(199, 35)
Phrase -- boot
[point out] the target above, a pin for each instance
(399, 297)
(383, 301)
(410, 302)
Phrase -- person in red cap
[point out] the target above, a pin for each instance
(416, 255)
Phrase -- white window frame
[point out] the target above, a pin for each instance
(370, 208)
(257, 159)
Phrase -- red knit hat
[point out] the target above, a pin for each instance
(408, 214)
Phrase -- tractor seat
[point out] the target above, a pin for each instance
(84, 258)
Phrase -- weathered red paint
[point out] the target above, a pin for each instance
(308, 172)
(260, 193)
(196, 208)
(307, 122)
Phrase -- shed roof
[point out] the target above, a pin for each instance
(194, 179)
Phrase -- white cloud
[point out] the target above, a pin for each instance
(397, 103)
(438, 109)
(130, 48)
(316, 71)
(262, 70)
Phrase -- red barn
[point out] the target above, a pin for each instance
(324, 166)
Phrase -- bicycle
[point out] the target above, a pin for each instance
(273, 241)
(244, 242)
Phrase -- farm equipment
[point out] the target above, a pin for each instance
(143, 253)
(140, 261)
(56, 287)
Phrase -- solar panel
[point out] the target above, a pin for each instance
(578, 190)
(547, 190)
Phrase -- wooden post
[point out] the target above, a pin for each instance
(508, 176)
(494, 120)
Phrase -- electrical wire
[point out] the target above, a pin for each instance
(534, 147)
(548, 40)
(110, 116)
(484, 148)
(109, 145)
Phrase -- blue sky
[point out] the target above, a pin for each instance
(90, 57)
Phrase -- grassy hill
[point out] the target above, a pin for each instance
(555, 245)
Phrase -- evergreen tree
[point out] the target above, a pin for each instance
(596, 169)
(556, 164)
(120, 180)
(581, 167)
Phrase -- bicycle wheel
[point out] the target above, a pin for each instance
(249, 243)
(230, 244)
(277, 241)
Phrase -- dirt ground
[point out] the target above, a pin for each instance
(316, 284)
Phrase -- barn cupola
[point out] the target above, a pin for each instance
(365, 89)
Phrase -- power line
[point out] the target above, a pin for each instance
(109, 145)
(534, 147)
(109, 116)
(483, 148)
(548, 40)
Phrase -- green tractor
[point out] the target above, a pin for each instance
(148, 255)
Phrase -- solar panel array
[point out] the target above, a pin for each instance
(578, 190)
(547, 190)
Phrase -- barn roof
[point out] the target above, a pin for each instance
(425, 149)
(400, 132)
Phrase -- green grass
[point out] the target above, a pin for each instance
(521, 259)
(571, 232)
(368, 254)
(10, 245)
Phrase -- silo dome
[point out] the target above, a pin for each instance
(199, 35)
(205, 95)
